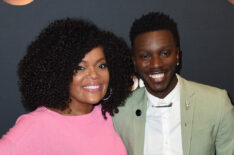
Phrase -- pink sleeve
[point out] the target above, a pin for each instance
(16, 140)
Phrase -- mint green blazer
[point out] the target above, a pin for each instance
(207, 125)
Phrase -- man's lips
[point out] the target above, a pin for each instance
(157, 77)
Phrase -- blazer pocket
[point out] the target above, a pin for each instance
(202, 140)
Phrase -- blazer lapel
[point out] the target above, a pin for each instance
(139, 118)
(187, 107)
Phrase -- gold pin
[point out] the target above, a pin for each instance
(187, 105)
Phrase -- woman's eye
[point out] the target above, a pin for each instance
(79, 68)
(102, 66)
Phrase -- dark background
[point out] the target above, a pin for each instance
(206, 28)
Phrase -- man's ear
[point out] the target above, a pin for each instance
(133, 60)
(134, 63)
(178, 55)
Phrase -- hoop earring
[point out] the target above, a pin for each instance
(110, 93)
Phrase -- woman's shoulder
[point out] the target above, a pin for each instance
(28, 123)
(39, 114)
(25, 128)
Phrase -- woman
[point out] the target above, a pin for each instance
(72, 78)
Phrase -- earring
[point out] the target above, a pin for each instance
(110, 93)
(177, 63)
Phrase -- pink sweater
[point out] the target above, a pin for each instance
(45, 132)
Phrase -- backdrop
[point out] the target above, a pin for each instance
(206, 29)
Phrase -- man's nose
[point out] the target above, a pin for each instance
(156, 62)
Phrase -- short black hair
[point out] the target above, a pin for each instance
(154, 21)
(47, 69)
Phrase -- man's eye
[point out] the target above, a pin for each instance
(102, 66)
(165, 53)
(145, 56)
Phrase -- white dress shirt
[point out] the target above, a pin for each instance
(163, 125)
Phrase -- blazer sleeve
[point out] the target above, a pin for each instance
(225, 136)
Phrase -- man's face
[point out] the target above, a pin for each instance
(155, 58)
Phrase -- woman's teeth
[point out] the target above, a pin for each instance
(92, 87)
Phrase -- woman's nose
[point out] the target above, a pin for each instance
(93, 73)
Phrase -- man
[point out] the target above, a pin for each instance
(170, 115)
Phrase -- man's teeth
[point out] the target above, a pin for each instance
(92, 87)
(156, 76)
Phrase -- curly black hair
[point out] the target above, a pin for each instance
(154, 21)
(47, 69)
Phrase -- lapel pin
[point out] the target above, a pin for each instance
(138, 112)
(187, 105)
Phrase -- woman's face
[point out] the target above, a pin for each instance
(90, 82)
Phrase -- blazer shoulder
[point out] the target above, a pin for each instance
(136, 98)
(205, 91)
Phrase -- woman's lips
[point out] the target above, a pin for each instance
(92, 87)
